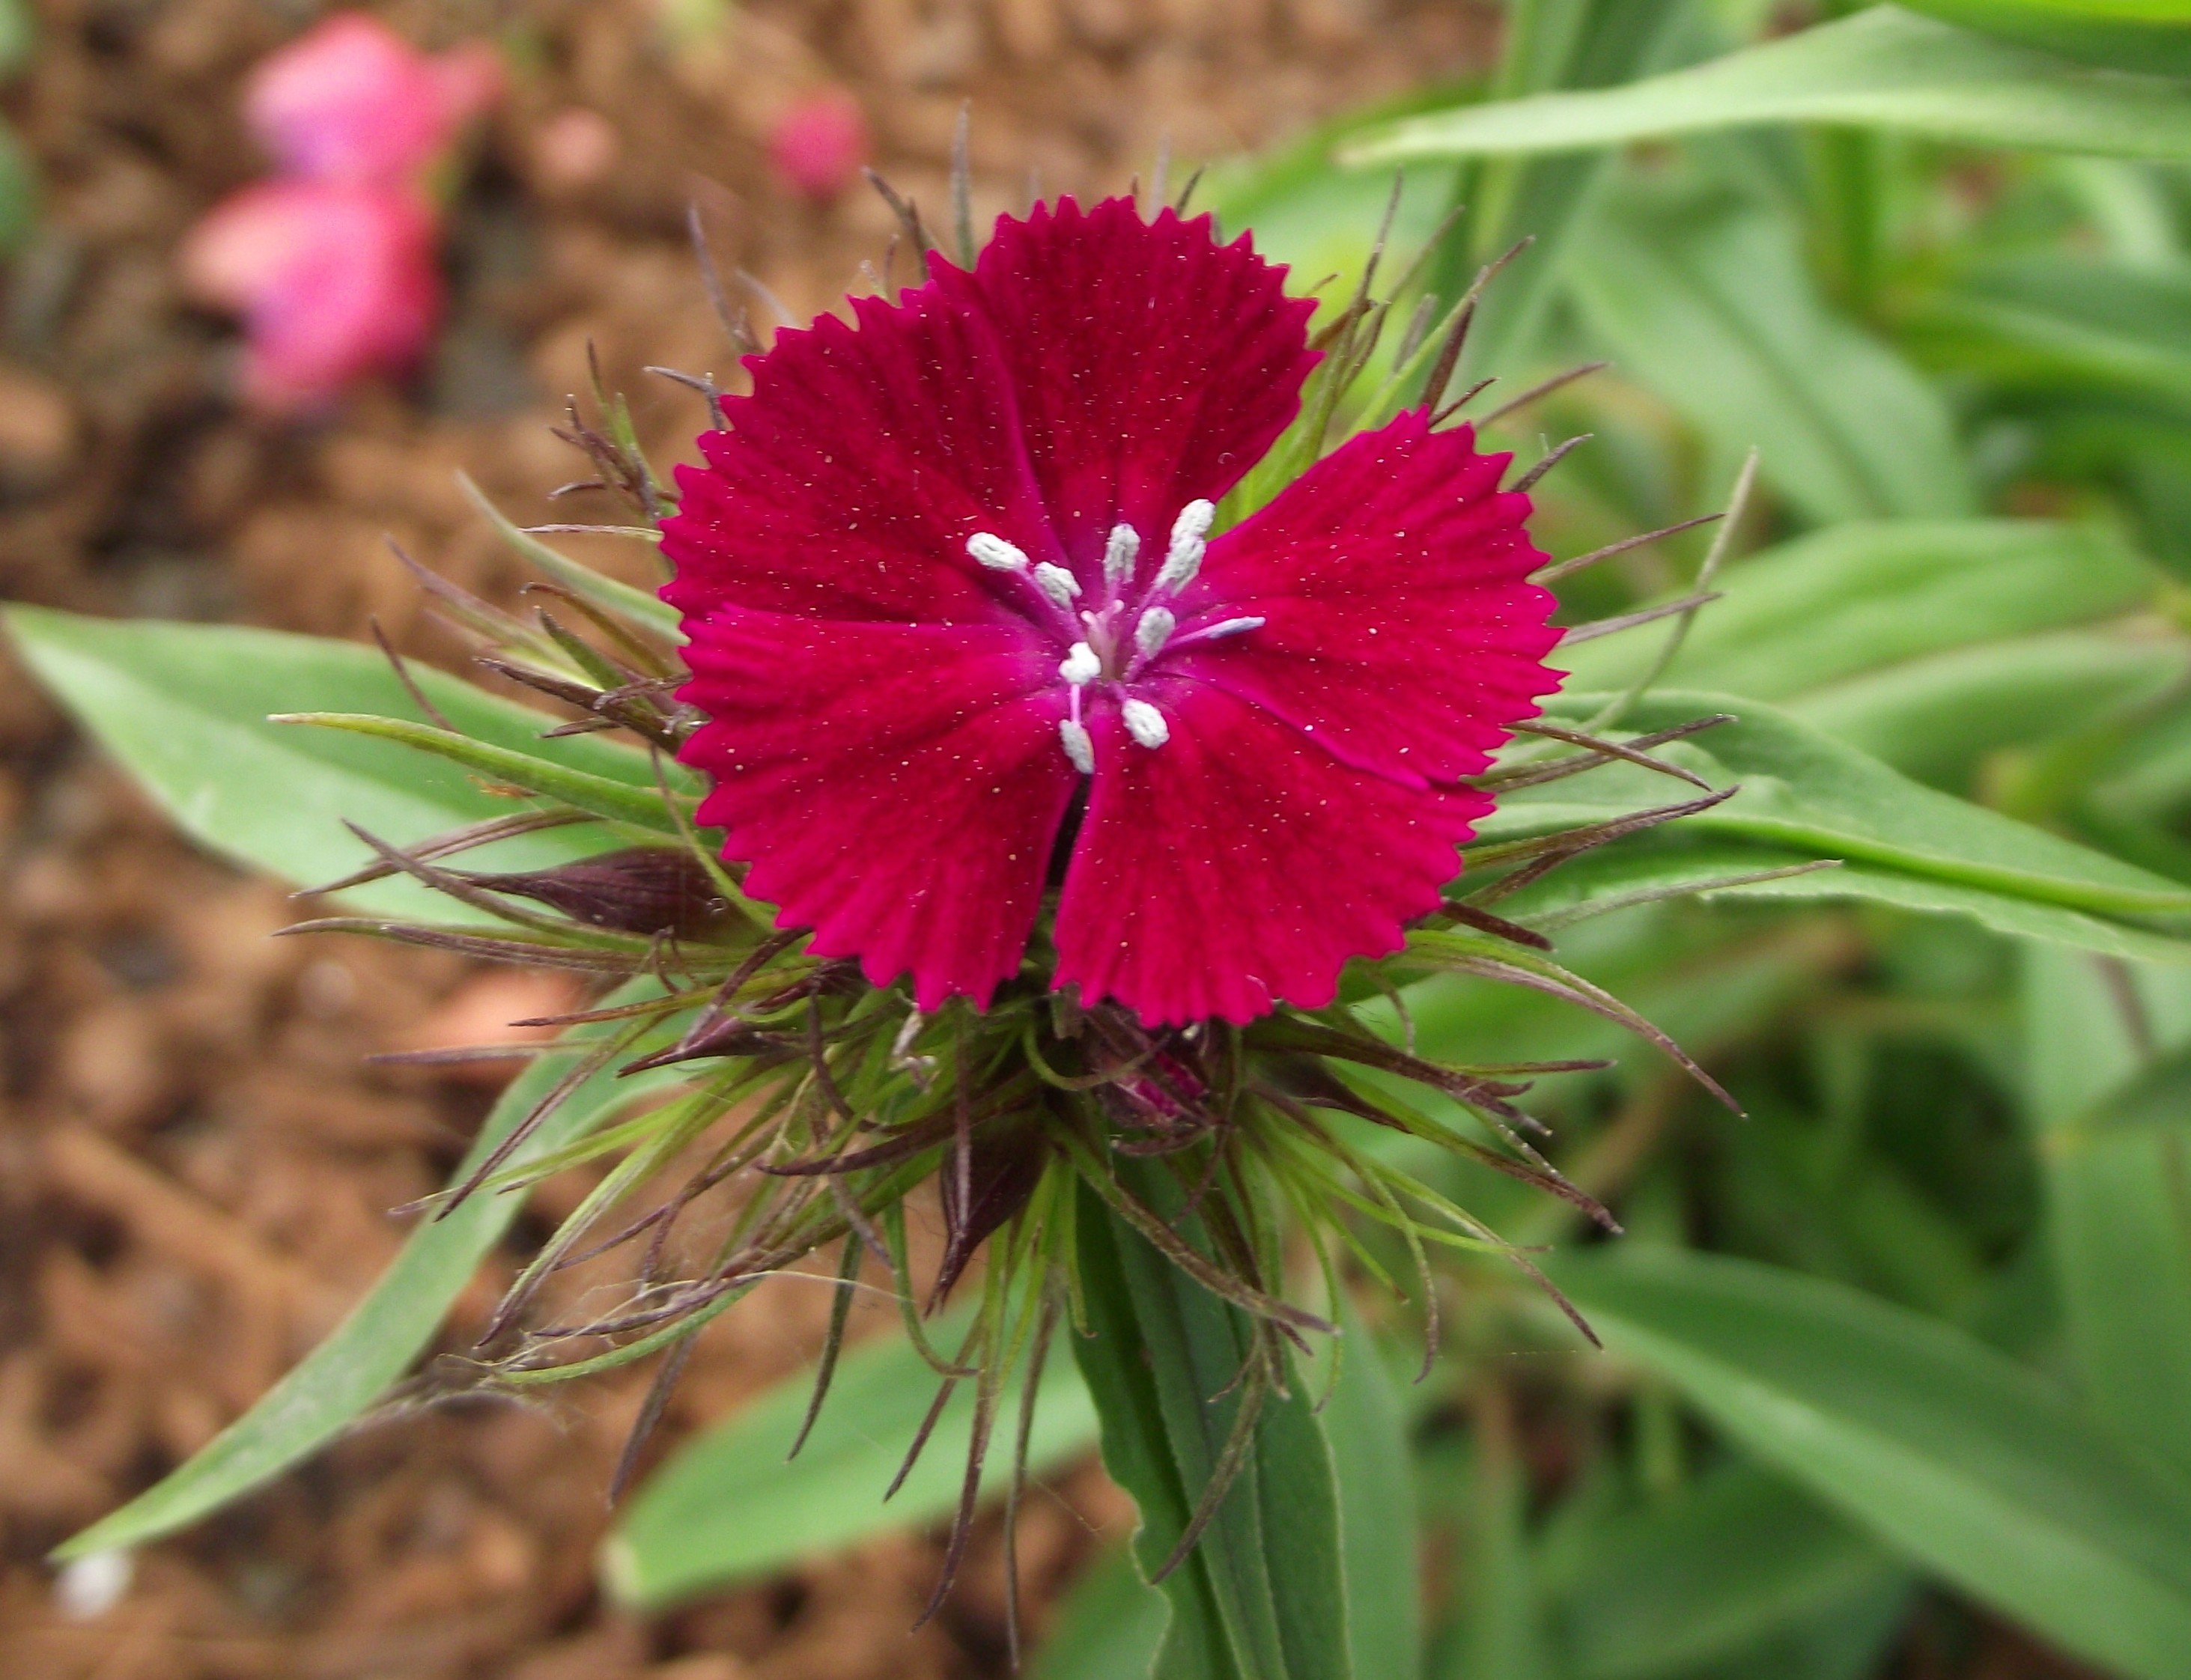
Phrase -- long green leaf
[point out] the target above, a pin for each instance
(346, 1373)
(1850, 600)
(2048, 326)
(1550, 201)
(731, 1505)
(1113, 1624)
(1710, 304)
(183, 707)
(1935, 717)
(1738, 1559)
(2118, 1185)
(2141, 34)
(1262, 1597)
(1948, 1452)
(19, 194)
(1499, 1631)
(1367, 1427)
(1698, 864)
(19, 35)
(1881, 68)
(1110, 1626)
(1809, 795)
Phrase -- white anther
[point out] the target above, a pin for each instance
(994, 553)
(1081, 666)
(1119, 554)
(1190, 534)
(1194, 520)
(1144, 724)
(1056, 582)
(1180, 565)
(1080, 747)
(1231, 626)
(1154, 630)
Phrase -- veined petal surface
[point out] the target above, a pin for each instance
(1153, 366)
(896, 787)
(1240, 864)
(851, 477)
(1400, 628)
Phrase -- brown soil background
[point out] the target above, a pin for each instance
(196, 1165)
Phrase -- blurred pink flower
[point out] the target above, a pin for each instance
(819, 145)
(333, 280)
(352, 101)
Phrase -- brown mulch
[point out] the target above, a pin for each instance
(196, 1165)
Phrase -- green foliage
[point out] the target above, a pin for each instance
(1710, 303)
(1729, 1563)
(1954, 1455)
(1923, 1318)
(186, 707)
(351, 1371)
(19, 35)
(736, 1503)
(1110, 1626)
(1263, 1596)
(1803, 797)
(1881, 68)
(1797, 621)
(2106, 1098)
(2141, 34)
(19, 194)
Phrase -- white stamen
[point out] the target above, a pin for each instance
(1154, 630)
(994, 553)
(1144, 724)
(1081, 666)
(1056, 582)
(1231, 626)
(1190, 533)
(1080, 747)
(1119, 554)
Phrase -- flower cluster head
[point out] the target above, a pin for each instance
(1058, 716)
(980, 662)
(332, 263)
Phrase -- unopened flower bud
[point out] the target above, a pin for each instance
(643, 889)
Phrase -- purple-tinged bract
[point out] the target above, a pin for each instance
(949, 583)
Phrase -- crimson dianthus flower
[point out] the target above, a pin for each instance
(959, 628)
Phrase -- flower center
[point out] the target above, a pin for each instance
(1106, 653)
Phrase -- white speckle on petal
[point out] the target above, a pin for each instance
(1145, 723)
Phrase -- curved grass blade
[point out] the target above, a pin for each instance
(1881, 68)
(346, 1374)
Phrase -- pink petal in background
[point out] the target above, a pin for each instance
(333, 282)
(818, 146)
(352, 101)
